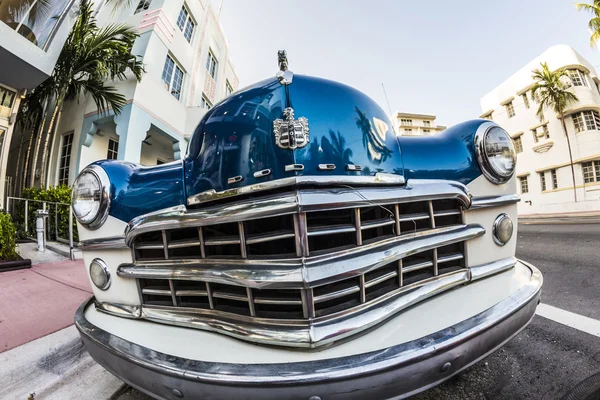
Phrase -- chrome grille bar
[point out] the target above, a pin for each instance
(302, 200)
(165, 244)
(298, 273)
(211, 300)
(242, 240)
(251, 302)
(201, 240)
(173, 293)
(357, 226)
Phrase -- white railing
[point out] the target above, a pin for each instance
(46, 206)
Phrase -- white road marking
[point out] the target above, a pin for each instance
(579, 322)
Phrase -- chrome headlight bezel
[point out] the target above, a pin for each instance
(103, 268)
(104, 197)
(497, 227)
(488, 170)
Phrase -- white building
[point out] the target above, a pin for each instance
(543, 166)
(416, 124)
(32, 34)
(188, 69)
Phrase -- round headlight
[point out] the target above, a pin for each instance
(495, 153)
(90, 198)
(502, 229)
(100, 274)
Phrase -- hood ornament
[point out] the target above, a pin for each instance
(291, 133)
(284, 75)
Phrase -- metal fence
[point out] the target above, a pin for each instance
(24, 216)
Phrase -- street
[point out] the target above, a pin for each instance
(548, 358)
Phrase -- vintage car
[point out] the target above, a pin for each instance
(302, 250)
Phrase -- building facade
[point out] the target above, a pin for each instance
(543, 164)
(32, 33)
(188, 69)
(408, 124)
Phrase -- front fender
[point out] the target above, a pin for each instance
(449, 155)
(137, 190)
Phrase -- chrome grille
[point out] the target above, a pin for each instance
(301, 268)
(279, 237)
(288, 303)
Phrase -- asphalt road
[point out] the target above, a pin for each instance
(547, 359)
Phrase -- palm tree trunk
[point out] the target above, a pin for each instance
(17, 174)
(51, 128)
(26, 165)
(564, 126)
(38, 142)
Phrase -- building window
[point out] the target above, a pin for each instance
(427, 123)
(408, 131)
(7, 98)
(591, 171)
(525, 100)
(206, 103)
(535, 137)
(586, 120)
(543, 180)
(426, 130)
(228, 88)
(143, 5)
(546, 131)
(407, 122)
(65, 159)
(211, 65)
(554, 179)
(186, 24)
(524, 184)
(577, 77)
(540, 131)
(173, 77)
(113, 149)
(510, 110)
(518, 144)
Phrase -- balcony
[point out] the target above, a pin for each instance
(32, 33)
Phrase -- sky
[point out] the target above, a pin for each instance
(434, 57)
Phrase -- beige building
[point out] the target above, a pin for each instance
(188, 69)
(32, 35)
(543, 166)
(408, 124)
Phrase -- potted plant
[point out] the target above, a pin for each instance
(9, 257)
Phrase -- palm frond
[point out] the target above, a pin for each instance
(550, 90)
(594, 23)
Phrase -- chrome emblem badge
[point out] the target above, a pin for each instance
(291, 133)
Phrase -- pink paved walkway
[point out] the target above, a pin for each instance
(38, 301)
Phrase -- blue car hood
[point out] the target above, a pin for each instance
(236, 137)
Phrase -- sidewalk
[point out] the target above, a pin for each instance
(41, 300)
(40, 349)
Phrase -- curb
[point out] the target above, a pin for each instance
(56, 366)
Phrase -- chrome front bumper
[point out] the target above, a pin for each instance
(394, 372)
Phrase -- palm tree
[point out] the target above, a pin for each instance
(594, 24)
(31, 116)
(90, 57)
(550, 91)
